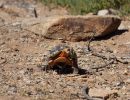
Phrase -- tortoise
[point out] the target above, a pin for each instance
(63, 59)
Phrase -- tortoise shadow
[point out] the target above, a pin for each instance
(115, 33)
(63, 70)
(82, 71)
(69, 70)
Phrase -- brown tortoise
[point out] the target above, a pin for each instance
(63, 60)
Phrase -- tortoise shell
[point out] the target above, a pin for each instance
(62, 56)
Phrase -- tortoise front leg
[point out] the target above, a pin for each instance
(75, 66)
(75, 70)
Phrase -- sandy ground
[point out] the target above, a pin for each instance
(22, 54)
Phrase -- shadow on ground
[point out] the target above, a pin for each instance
(69, 70)
(117, 32)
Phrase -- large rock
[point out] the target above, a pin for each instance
(75, 28)
(81, 27)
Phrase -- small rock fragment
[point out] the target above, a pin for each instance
(129, 67)
(128, 81)
(101, 93)
(1, 4)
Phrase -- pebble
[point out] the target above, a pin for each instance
(103, 12)
(129, 67)
(113, 43)
(118, 84)
(115, 51)
(12, 90)
(1, 4)
(125, 72)
(113, 65)
(128, 81)
(2, 60)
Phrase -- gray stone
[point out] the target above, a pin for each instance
(103, 12)
(108, 12)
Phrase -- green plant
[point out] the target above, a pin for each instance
(86, 6)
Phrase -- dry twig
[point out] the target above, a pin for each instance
(85, 91)
(92, 37)
(35, 13)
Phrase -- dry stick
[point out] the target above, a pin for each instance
(103, 57)
(102, 66)
(95, 54)
(35, 13)
(114, 58)
(31, 31)
(111, 62)
(121, 61)
(85, 91)
(94, 32)
(98, 55)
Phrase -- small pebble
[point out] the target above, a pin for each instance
(125, 72)
(113, 43)
(128, 81)
(118, 84)
(1, 4)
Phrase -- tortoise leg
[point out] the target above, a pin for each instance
(75, 66)
(45, 68)
(75, 70)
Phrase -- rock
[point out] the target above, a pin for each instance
(114, 12)
(128, 81)
(77, 28)
(73, 28)
(12, 90)
(125, 72)
(129, 67)
(108, 12)
(103, 12)
(124, 26)
(118, 84)
(1, 4)
(2, 60)
(102, 93)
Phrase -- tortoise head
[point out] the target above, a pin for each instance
(73, 57)
(72, 54)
